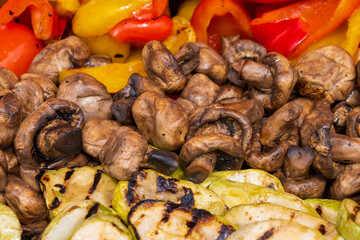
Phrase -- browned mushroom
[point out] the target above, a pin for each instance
(229, 92)
(30, 94)
(263, 158)
(10, 117)
(9, 161)
(162, 161)
(96, 133)
(122, 154)
(8, 79)
(278, 126)
(346, 184)
(222, 145)
(88, 93)
(219, 119)
(306, 105)
(162, 121)
(345, 149)
(357, 69)
(251, 108)
(341, 113)
(76, 160)
(34, 230)
(28, 204)
(161, 66)
(61, 55)
(201, 58)
(297, 162)
(49, 88)
(97, 60)
(26, 150)
(354, 98)
(124, 99)
(353, 123)
(308, 187)
(327, 72)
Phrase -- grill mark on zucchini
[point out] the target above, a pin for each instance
(68, 174)
(198, 215)
(93, 210)
(170, 207)
(354, 213)
(97, 178)
(62, 188)
(267, 234)
(318, 209)
(166, 185)
(225, 232)
(130, 194)
(55, 203)
(322, 229)
(188, 198)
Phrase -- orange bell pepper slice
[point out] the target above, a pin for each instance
(215, 18)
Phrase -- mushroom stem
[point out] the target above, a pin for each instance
(58, 139)
(345, 149)
(254, 73)
(163, 161)
(201, 167)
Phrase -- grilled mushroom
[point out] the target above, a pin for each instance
(341, 113)
(88, 93)
(162, 121)
(68, 143)
(49, 88)
(161, 66)
(297, 162)
(28, 204)
(200, 58)
(345, 149)
(97, 60)
(353, 123)
(61, 55)
(354, 98)
(10, 117)
(8, 79)
(326, 73)
(346, 184)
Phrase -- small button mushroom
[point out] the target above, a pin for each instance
(49, 88)
(97, 60)
(64, 54)
(88, 93)
(161, 66)
(24, 145)
(266, 159)
(8, 161)
(326, 73)
(341, 113)
(122, 154)
(30, 94)
(278, 126)
(77, 160)
(354, 98)
(28, 205)
(204, 144)
(124, 99)
(8, 79)
(251, 108)
(219, 119)
(307, 187)
(58, 139)
(353, 123)
(162, 121)
(96, 133)
(200, 90)
(306, 105)
(345, 149)
(346, 184)
(229, 92)
(297, 162)
(10, 117)
(165, 162)
(201, 58)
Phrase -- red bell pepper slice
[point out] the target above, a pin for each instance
(139, 32)
(18, 47)
(270, 1)
(42, 15)
(321, 18)
(215, 18)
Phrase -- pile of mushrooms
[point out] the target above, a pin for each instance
(243, 108)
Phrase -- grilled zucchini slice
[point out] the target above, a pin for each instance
(326, 208)
(254, 176)
(10, 228)
(248, 213)
(348, 221)
(154, 219)
(236, 193)
(69, 185)
(149, 184)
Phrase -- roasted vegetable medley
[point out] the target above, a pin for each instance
(195, 131)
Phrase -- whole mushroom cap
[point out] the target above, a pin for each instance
(327, 72)
(88, 93)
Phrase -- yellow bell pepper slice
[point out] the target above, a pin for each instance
(97, 17)
(107, 45)
(65, 8)
(114, 75)
(186, 9)
(346, 36)
(181, 34)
